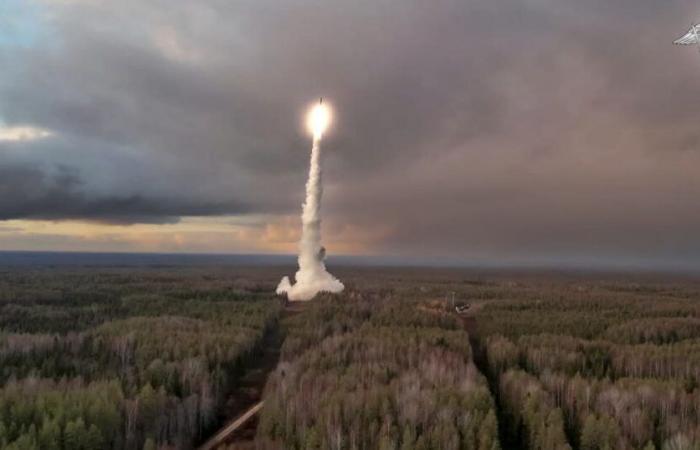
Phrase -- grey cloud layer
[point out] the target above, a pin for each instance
(61, 195)
(507, 129)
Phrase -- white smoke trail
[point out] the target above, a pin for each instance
(312, 276)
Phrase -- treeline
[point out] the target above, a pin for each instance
(598, 358)
(147, 363)
(363, 371)
(586, 312)
(604, 367)
(39, 413)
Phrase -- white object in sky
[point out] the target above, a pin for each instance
(312, 276)
(692, 37)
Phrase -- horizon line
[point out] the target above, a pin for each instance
(406, 261)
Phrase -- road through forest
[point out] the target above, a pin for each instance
(239, 432)
(245, 402)
(469, 322)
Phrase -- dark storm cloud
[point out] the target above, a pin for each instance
(475, 129)
(29, 193)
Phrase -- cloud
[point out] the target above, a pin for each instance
(512, 129)
(22, 133)
(29, 193)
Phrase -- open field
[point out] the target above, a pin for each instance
(147, 358)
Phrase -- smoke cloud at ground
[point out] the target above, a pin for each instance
(312, 276)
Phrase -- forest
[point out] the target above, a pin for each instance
(151, 358)
(371, 372)
(539, 361)
(610, 365)
(123, 359)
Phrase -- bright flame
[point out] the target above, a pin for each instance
(318, 119)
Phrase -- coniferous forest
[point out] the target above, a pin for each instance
(610, 365)
(372, 372)
(93, 360)
(548, 362)
(153, 358)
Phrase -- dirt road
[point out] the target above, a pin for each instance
(246, 401)
(222, 436)
(469, 322)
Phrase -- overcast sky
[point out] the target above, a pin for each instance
(484, 131)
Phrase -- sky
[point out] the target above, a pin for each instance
(517, 131)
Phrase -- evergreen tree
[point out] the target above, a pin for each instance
(488, 433)
(408, 438)
(75, 435)
(94, 439)
(50, 435)
(150, 444)
(313, 439)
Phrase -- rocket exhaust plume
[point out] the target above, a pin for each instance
(312, 276)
